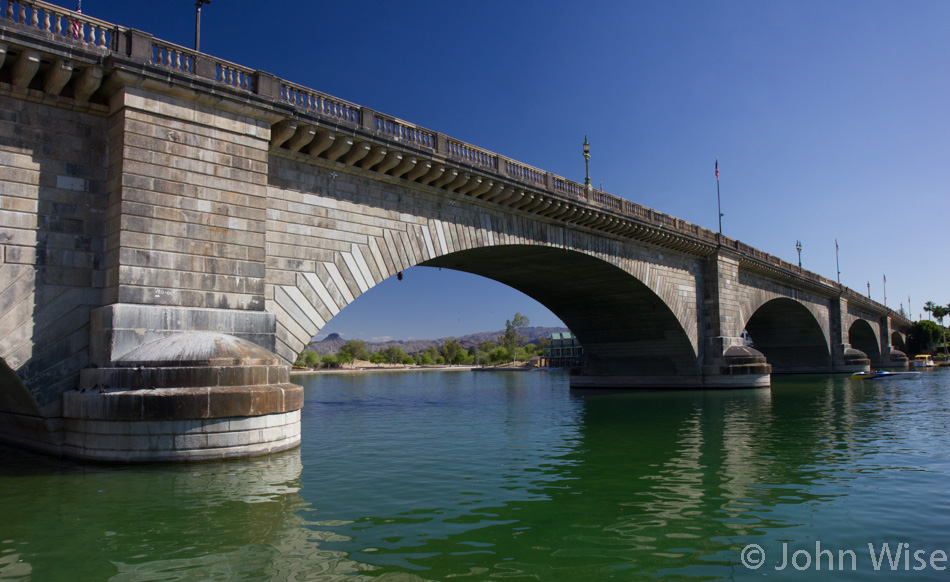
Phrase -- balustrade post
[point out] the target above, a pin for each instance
(549, 181)
(503, 165)
(368, 119)
(138, 45)
(204, 66)
(267, 85)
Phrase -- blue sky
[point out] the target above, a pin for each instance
(830, 119)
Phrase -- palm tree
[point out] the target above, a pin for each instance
(940, 312)
(929, 307)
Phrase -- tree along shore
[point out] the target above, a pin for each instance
(510, 348)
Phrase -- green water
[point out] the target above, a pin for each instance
(480, 476)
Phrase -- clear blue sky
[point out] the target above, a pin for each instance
(830, 119)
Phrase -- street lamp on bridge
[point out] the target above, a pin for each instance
(586, 162)
(198, 4)
(798, 247)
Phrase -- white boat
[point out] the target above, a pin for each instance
(923, 361)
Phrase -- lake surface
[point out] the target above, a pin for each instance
(479, 476)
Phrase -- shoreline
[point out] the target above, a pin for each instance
(363, 370)
(372, 369)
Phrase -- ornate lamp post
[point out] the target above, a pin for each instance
(198, 4)
(798, 247)
(586, 162)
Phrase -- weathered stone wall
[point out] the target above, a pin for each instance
(52, 222)
(187, 215)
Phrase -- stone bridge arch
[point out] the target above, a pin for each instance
(791, 327)
(898, 342)
(864, 337)
(790, 336)
(334, 232)
(641, 314)
(624, 325)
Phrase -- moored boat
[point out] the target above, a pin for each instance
(923, 361)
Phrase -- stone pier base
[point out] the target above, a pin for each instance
(133, 426)
(193, 396)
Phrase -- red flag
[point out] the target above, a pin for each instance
(77, 27)
(717, 169)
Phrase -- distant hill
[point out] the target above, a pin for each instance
(331, 344)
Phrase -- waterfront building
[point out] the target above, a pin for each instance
(564, 351)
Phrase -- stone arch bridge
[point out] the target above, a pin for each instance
(174, 228)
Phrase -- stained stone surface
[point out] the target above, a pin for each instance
(187, 396)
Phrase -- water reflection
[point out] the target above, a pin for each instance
(478, 476)
(222, 521)
(670, 485)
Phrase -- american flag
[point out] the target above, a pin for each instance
(77, 28)
(717, 169)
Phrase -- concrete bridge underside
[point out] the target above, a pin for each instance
(622, 324)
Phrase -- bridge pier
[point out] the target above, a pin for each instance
(727, 361)
(169, 383)
(732, 364)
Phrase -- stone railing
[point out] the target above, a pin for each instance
(60, 22)
(312, 101)
(70, 26)
(172, 56)
(402, 131)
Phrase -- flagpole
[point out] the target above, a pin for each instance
(885, 290)
(718, 200)
(837, 264)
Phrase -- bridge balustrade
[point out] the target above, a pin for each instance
(236, 76)
(525, 173)
(316, 102)
(403, 131)
(61, 22)
(571, 189)
(173, 57)
(463, 151)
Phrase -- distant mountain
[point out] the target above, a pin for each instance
(331, 344)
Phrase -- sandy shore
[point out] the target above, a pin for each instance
(371, 369)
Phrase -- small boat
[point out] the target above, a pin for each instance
(923, 361)
(882, 375)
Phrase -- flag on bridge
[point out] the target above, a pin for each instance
(77, 28)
